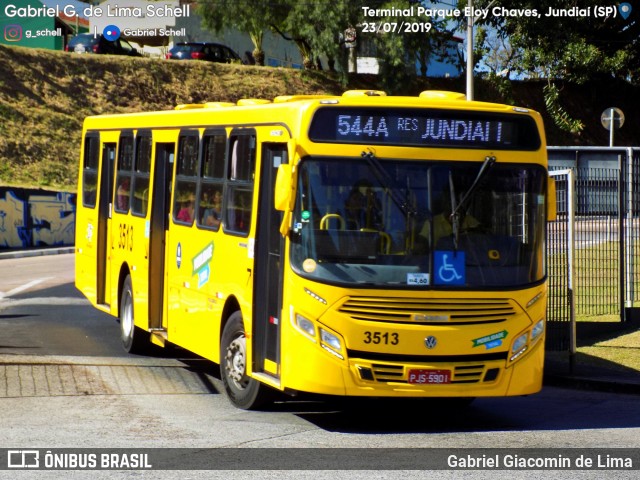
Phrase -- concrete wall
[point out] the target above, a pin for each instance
(36, 218)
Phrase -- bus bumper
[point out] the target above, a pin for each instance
(320, 372)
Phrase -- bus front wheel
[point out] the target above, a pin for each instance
(243, 391)
(131, 336)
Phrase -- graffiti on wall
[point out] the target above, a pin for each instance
(36, 218)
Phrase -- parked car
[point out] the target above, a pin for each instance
(90, 43)
(213, 52)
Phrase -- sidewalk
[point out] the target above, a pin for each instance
(558, 372)
(34, 252)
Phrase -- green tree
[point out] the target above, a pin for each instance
(314, 26)
(421, 40)
(572, 48)
(252, 17)
(317, 27)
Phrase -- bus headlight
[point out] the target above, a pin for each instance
(306, 326)
(519, 346)
(537, 330)
(331, 343)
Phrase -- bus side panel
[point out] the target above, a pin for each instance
(85, 240)
(109, 142)
(130, 248)
(209, 269)
(205, 269)
(129, 242)
(87, 216)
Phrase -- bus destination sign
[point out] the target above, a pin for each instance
(425, 127)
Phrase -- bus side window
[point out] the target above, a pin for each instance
(241, 158)
(123, 173)
(239, 210)
(90, 171)
(214, 144)
(123, 191)
(210, 206)
(184, 201)
(141, 175)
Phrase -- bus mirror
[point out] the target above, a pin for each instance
(552, 210)
(282, 195)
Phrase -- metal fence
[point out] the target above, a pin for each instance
(560, 266)
(593, 249)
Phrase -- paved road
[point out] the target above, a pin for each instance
(42, 313)
(64, 382)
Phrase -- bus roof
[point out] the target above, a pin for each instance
(290, 110)
(437, 98)
(441, 98)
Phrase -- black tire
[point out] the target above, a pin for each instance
(243, 392)
(133, 338)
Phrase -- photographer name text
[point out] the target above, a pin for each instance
(604, 462)
(94, 11)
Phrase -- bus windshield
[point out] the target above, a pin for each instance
(385, 223)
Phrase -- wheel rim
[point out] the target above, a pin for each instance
(126, 322)
(236, 361)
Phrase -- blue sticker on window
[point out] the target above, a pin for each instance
(449, 268)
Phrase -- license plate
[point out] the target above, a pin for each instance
(419, 377)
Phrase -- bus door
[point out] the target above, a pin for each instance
(268, 268)
(158, 229)
(103, 267)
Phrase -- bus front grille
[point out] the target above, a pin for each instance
(428, 311)
(386, 373)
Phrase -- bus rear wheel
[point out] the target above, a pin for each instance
(132, 337)
(243, 391)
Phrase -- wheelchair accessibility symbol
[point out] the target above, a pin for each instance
(449, 268)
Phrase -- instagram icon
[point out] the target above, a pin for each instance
(13, 33)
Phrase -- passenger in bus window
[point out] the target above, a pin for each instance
(213, 214)
(363, 207)
(442, 224)
(122, 195)
(186, 212)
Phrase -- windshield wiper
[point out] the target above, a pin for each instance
(457, 208)
(386, 180)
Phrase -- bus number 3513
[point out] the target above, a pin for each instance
(125, 240)
(378, 337)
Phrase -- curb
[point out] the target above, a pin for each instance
(592, 384)
(124, 361)
(36, 253)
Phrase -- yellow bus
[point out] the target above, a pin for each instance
(353, 245)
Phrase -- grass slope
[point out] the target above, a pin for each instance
(44, 97)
